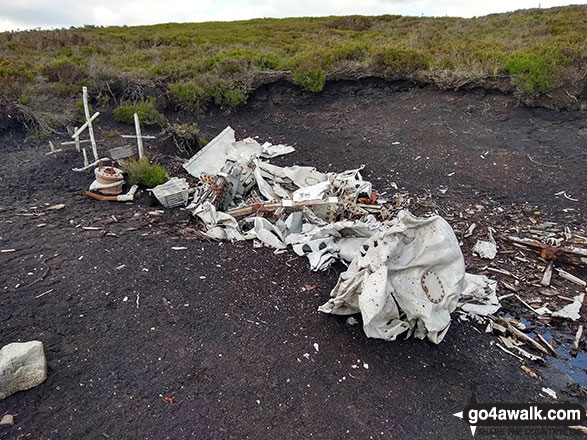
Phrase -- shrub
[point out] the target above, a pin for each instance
(312, 80)
(188, 94)
(142, 172)
(146, 111)
(229, 95)
(186, 137)
(65, 70)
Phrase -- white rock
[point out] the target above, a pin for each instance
(8, 419)
(351, 321)
(485, 249)
(22, 366)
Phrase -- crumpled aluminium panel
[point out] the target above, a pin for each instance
(406, 278)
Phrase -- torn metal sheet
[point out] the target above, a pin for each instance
(270, 151)
(479, 296)
(485, 249)
(224, 147)
(406, 278)
(212, 157)
(268, 233)
(219, 225)
(571, 311)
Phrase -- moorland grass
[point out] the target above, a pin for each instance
(198, 63)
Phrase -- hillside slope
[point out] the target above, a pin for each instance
(539, 55)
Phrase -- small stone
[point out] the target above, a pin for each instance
(22, 366)
(351, 321)
(8, 419)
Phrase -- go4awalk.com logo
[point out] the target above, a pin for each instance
(514, 415)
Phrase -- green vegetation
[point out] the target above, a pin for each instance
(535, 69)
(142, 172)
(196, 64)
(312, 80)
(145, 110)
(186, 137)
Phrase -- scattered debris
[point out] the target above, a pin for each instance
(518, 334)
(173, 193)
(529, 372)
(550, 392)
(22, 366)
(44, 293)
(55, 207)
(351, 321)
(334, 216)
(470, 230)
(546, 344)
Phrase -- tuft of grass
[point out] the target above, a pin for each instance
(142, 172)
(146, 111)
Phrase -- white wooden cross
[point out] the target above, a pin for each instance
(77, 140)
(138, 136)
(88, 125)
(54, 150)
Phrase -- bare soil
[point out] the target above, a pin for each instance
(144, 341)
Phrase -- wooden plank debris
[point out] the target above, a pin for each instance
(570, 277)
(546, 344)
(577, 340)
(547, 275)
(522, 336)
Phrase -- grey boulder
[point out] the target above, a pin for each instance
(22, 366)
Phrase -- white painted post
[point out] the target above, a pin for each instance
(139, 137)
(86, 163)
(89, 122)
(76, 140)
